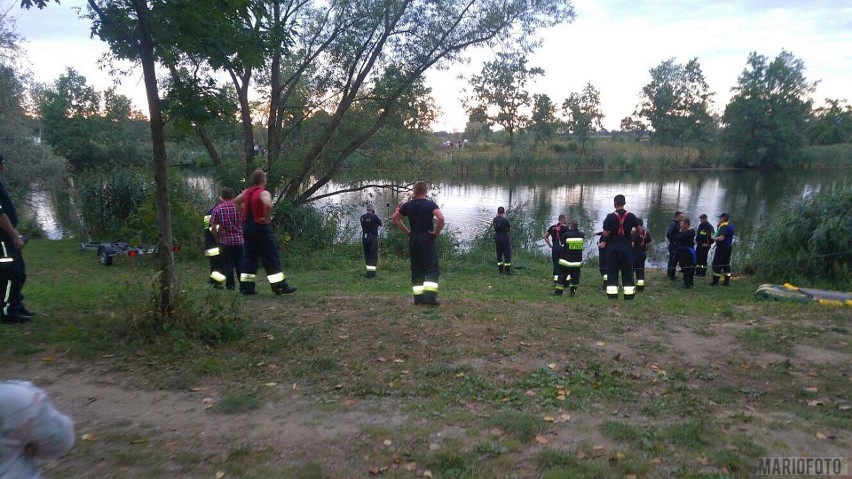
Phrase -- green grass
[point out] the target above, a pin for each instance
(462, 390)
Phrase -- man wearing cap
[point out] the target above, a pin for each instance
(370, 224)
(501, 240)
(13, 271)
(724, 237)
(703, 240)
(553, 237)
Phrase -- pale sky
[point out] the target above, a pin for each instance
(612, 44)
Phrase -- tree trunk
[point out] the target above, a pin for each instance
(274, 125)
(168, 277)
(208, 144)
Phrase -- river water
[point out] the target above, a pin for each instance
(470, 202)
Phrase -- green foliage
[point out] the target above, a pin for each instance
(544, 121)
(109, 197)
(677, 103)
(809, 241)
(304, 230)
(830, 124)
(188, 206)
(89, 127)
(583, 111)
(767, 117)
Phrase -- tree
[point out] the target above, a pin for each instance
(126, 26)
(677, 103)
(830, 124)
(544, 121)
(583, 111)
(499, 90)
(350, 63)
(767, 116)
(630, 125)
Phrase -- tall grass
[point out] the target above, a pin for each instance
(808, 242)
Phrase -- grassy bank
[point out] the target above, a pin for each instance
(346, 378)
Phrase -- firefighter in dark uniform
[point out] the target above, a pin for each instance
(685, 249)
(641, 240)
(703, 241)
(13, 271)
(501, 239)
(571, 259)
(552, 238)
(212, 252)
(370, 224)
(256, 203)
(421, 243)
(603, 266)
(617, 228)
(672, 230)
(724, 238)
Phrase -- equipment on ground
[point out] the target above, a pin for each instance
(788, 292)
(108, 251)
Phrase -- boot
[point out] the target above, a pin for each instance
(283, 288)
(715, 281)
(509, 271)
(430, 298)
(501, 268)
(418, 299)
(370, 274)
(727, 280)
(573, 291)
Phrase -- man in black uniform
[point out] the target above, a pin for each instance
(617, 228)
(13, 271)
(501, 239)
(256, 203)
(571, 259)
(370, 224)
(685, 250)
(724, 238)
(674, 227)
(552, 238)
(641, 240)
(421, 243)
(703, 241)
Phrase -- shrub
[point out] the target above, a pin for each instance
(109, 197)
(809, 241)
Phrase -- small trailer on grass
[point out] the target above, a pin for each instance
(108, 251)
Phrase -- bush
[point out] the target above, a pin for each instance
(304, 230)
(109, 197)
(809, 241)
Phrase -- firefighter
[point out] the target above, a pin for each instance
(228, 230)
(551, 237)
(501, 239)
(370, 224)
(703, 241)
(724, 238)
(256, 205)
(13, 270)
(421, 243)
(641, 240)
(571, 259)
(685, 249)
(617, 228)
(672, 230)
(603, 267)
(212, 251)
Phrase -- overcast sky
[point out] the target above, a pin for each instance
(612, 44)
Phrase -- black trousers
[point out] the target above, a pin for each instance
(619, 257)
(231, 258)
(701, 260)
(215, 259)
(722, 260)
(371, 248)
(424, 259)
(555, 252)
(13, 275)
(671, 269)
(687, 267)
(569, 275)
(603, 262)
(639, 267)
(504, 249)
(260, 245)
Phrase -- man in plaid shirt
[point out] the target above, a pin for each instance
(228, 229)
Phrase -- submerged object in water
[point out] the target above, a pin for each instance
(788, 292)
